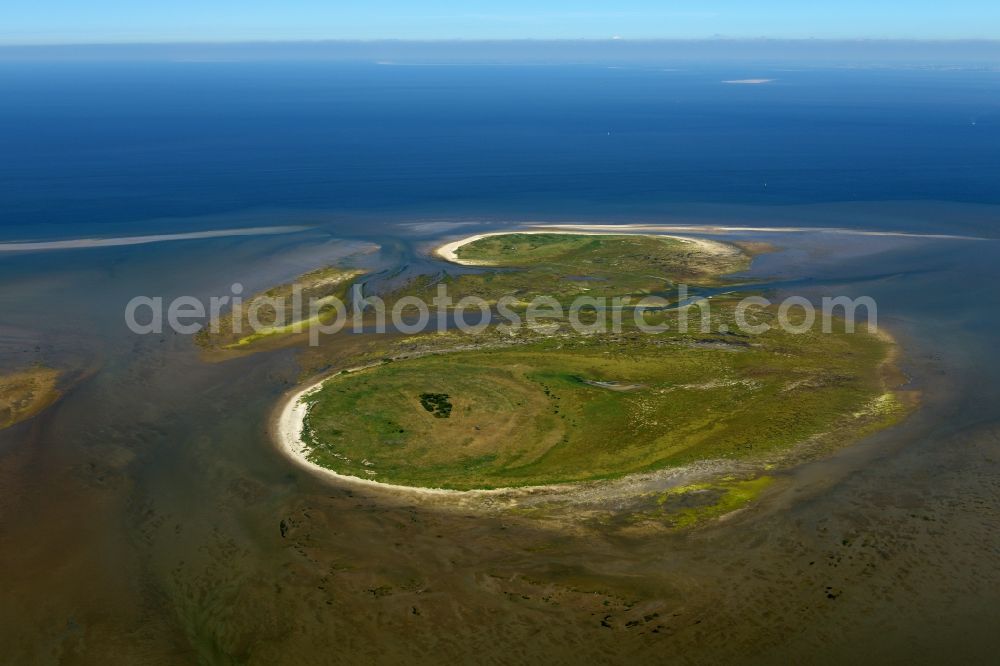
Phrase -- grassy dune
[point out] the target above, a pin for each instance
(608, 255)
(577, 408)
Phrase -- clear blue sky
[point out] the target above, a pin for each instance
(79, 21)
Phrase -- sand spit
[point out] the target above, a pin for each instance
(713, 229)
(448, 251)
(87, 243)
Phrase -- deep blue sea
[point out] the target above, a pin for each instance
(97, 144)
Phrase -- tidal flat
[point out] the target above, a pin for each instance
(154, 489)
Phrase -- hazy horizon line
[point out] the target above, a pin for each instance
(552, 40)
(564, 50)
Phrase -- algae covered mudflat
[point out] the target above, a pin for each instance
(25, 393)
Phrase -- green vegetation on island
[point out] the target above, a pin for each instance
(281, 311)
(613, 257)
(602, 397)
(567, 408)
(565, 266)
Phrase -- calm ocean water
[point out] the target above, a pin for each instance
(98, 144)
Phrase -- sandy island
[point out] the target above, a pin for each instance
(291, 412)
